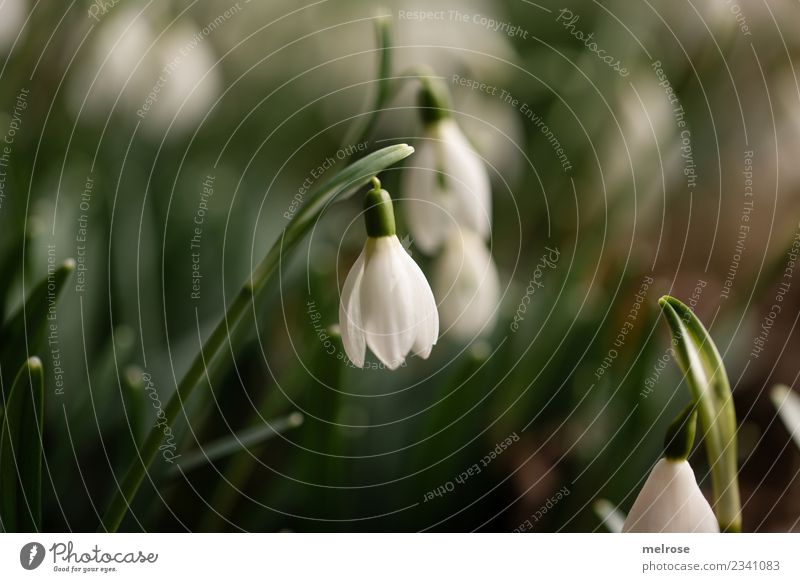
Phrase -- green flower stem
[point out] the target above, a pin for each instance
(433, 100)
(679, 440)
(340, 187)
(378, 212)
(699, 360)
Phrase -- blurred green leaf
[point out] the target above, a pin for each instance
(700, 362)
(10, 264)
(25, 329)
(608, 513)
(21, 451)
(788, 405)
(234, 443)
(362, 129)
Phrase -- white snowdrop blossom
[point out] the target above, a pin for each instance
(466, 285)
(447, 187)
(671, 501)
(386, 303)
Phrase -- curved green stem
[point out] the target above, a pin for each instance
(383, 33)
(341, 186)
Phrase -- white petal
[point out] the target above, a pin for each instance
(350, 320)
(428, 219)
(467, 180)
(425, 314)
(387, 301)
(467, 286)
(671, 501)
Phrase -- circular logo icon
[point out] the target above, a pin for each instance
(31, 555)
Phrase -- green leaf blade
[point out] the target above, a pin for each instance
(21, 451)
(232, 444)
(25, 329)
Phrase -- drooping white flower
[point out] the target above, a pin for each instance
(671, 501)
(447, 187)
(386, 301)
(466, 285)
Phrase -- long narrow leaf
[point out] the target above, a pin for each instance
(229, 445)
(700, 362)
(21, 451)
(25, 329)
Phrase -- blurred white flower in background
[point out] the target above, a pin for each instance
(154, 74)
(12, 16)
(671, 501)
(466, 285)
(650, 152)
(495, 128)
(446, 187)
(122, 39)
(192, 86)
(448, 207)
(386, 301)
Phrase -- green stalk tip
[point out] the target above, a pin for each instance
(679, 439)
(34, 364)
(378, 212)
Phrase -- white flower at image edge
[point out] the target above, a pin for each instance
(467, 286)
(387, 304)
(671, 501)
(448, 186)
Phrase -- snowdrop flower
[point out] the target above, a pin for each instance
(467, 285)
(386, 301)
(671, 500)
(449, 185)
